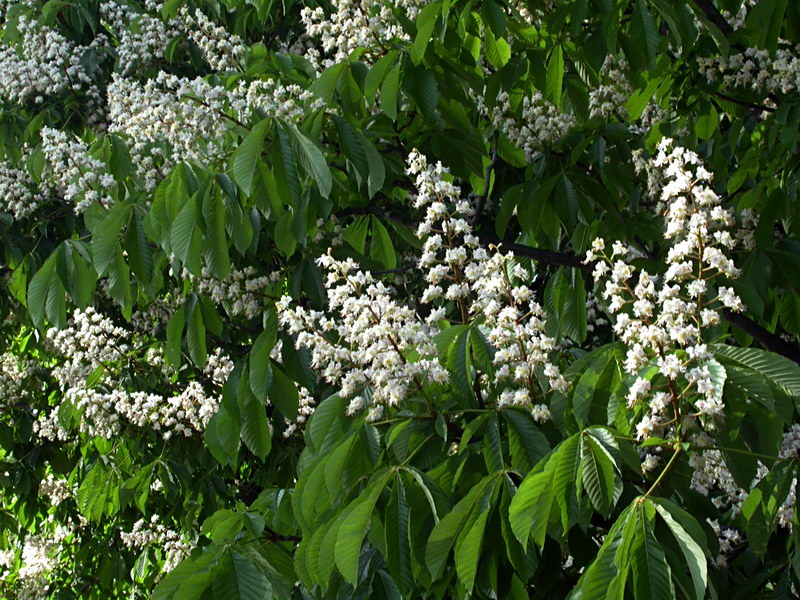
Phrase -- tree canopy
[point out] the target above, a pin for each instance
(399, 299)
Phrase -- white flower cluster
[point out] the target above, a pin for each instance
(165, 117)
(218, 367)
(156, 112)
(19, 194)
(44, 63)
(528, 16)
(711, 477)
(539, 123)
(375, 350)
(57, 490)
(356, 24)
(221, 49)
(141, 37)
(729, 540)
(754, 69)
(172, 543)
(89, 341)
(13, 374)
(661, 319)
(611, 97)
(738, 20)
(77, 175)
(92, 344)
(305, 409)
(154, 317)
(40, 558)
(492, 287)
(241, 292)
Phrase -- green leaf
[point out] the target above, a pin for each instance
(566, 465)
(250, 581)
(185, 235)
(222, 436)
(389, 91)
(337, 462)
(555, 76)
(377, 170)
(529, 511)
(381, 247)
(120, 164)
(196, 335)
(597, 472)
(707, 122)
(377, 74)
(766, 20)
(46, 294)
(172, 351)
(326, 82)
(397, 537)
(458, 364)
(283, 393)
(526, 444)
(222, 526)
(444, 534)
(425, 24)
(610, 567)
(140, 253)
(692, 552)
(352, 148)
(215, 248)
(255, 429)
(98, 493)
(594, 382)
(469, 551)
(644, 31)
(498, 51)
(780, 371)
(763, 502)
(285, 239)
(261, 365)
(248, 155)
(189, 579)
(311, 158)
(105, 238)
(353, 530)
(651, 573)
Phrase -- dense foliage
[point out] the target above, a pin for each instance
(399, 299)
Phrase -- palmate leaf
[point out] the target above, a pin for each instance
(190, 578)
(254, 427)
(526, 444)
(597, 474)
(311, 158)
(780, 371)
(444, 535)
(693, 553)
(354, 528)
(248, 155)
(469, 551)
(651, 573)
(763, 502)
(611, 563)
(565, 475)
(46, 295)
(396, 532)
(529, 510)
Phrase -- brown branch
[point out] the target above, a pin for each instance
(751, 105)
(712, 14)
(769, 340)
